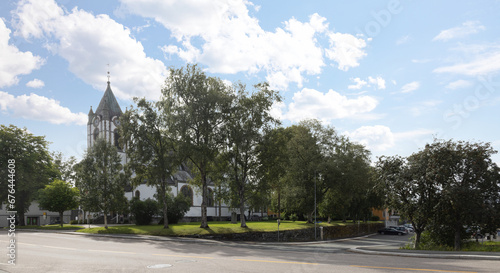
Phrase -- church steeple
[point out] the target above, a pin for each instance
(108, 107)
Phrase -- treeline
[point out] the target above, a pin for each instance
(447, 189)
(227, 136)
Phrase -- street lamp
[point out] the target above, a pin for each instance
(315, 206)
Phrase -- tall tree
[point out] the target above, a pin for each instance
(198, 108)
(410, 191)
(58, 196)
(347, 175)
(100, 179)
(150, 150)
(65, 167)
(304, 158)
(33, 167)
(274, 161)
(248, 120)
(463, 173)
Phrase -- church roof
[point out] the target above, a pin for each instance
(108, 107)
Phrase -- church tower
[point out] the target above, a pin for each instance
(104, 122)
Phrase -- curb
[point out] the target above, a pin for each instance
(423, 255)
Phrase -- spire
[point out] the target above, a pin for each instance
(108, 107)
(91, 113)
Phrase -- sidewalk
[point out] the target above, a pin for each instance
(395, 251)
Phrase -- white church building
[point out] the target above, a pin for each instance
(104, 123)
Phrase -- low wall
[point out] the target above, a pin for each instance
(300, 235)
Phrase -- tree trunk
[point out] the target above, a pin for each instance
(418, 235)
(242, 210)
(165, 218)
(21, 219)
(310, 217)
(204, 222)
(61, 217)
(105, 220)
(457, 239)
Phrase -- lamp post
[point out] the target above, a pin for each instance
(315, 206)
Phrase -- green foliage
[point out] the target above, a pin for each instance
(443, 188)
(58, 196)
(178, 206)
(100, 180)
(33, 166)
(149, 147)
(196, 107)
(143, 211)
(249, 119)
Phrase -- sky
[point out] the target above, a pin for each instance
(392, 74)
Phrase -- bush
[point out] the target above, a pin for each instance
(294, 217)
(74, 222)
(176, 208)
(143, 211)
(374, 218)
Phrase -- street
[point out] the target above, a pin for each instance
(62, 252)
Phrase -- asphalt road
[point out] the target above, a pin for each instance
(58, 252)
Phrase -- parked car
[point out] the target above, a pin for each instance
(391, 231)
(409, 227)
(400, 228)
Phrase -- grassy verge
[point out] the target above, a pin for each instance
(51, 227)
(184, 229)
(486, 246)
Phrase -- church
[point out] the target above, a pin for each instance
(105, 123)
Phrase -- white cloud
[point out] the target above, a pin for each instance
(36, 83)
(310, 103)
(14, 62)
(37, 107)
(359, 83)
(410, 87)
(403, 40)
(482, 64)
(378, 83)
(376, 138)
(225, 26)
(459, 84)
(467, 28)
(346, 50)
(88, 42)
(424, 107)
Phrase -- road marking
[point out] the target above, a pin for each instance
(279, 262)
(412, 269)
(65, 248)
(182, 256)
(111, 251)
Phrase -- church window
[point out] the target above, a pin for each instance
(188, 192)
(117, 139)
(137, 194)
(96, 133)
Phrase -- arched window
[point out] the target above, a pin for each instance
(137, 194)
(210, 199)
(96, 133)
(188, 192)
(117, 139)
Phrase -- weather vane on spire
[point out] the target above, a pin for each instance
(108, 74)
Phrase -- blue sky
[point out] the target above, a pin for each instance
(389, 74)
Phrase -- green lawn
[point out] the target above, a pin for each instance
(486, 246)
(183, 229)
(52, 227)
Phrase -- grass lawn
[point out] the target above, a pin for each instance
(183, 229)
(486, 246)
(52, 227)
